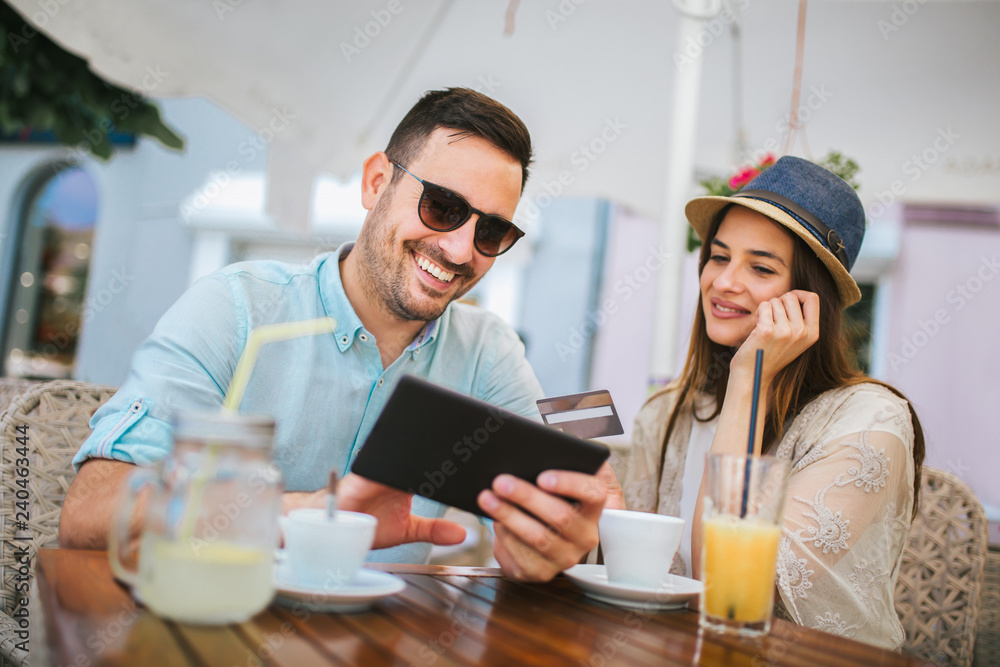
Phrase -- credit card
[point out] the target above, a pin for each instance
(591, 414)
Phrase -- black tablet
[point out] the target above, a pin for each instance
(448, 447)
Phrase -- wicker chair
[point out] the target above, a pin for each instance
(11, 387)
(988, 636)
(941, 574)
(52, 420)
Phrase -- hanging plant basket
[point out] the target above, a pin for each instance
(44, 88)
(717, 186)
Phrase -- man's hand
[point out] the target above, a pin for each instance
(396, 524)
(545, 529)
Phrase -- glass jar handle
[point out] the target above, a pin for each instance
(123, 551)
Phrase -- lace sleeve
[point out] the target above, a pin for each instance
(639, 471)
(846, 518)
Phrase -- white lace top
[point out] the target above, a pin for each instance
(699, 444)
(850, 497)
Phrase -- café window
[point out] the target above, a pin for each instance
(858, 322)
(48, 283)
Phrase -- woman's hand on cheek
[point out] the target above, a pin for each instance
(786, 327)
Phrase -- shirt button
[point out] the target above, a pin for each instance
(363, 337)
(381, 381)
(343, 340)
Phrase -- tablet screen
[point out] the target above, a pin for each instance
(447, 447)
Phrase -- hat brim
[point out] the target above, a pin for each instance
(701, 211)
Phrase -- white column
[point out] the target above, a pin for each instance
(679, 172)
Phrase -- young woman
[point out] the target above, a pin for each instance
(774, 275)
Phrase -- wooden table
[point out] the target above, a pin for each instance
(446, 616)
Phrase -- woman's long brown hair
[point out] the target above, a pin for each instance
(823, 366)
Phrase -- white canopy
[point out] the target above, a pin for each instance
(909, 90)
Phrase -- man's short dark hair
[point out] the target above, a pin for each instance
(470, 114)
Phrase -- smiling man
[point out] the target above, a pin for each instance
(440, 199)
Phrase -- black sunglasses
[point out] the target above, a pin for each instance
(442, 210)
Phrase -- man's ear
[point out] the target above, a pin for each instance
(375, 177)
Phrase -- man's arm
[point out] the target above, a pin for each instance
(91, 503)
(179, 367)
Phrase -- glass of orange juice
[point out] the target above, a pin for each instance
(744, 505)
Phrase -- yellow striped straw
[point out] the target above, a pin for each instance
(268, 333)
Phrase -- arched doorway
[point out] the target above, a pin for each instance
(48, 279)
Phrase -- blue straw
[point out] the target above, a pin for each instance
(753, 429)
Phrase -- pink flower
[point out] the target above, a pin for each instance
(742, 177)
(766, 162)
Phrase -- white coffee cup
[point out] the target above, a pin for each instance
(639, 547)
(325, 554)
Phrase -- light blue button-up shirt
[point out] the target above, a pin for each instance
(325, 392)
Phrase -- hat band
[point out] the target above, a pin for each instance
(828, 237)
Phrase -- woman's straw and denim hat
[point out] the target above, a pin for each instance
(813, 203)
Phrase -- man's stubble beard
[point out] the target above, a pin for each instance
(386, 282)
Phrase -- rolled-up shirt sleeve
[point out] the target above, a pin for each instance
(185, 364)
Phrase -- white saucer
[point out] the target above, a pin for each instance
(675, 593)
(368, 586)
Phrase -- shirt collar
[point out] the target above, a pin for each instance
(428, 334)
(334, 298)
(337, 305)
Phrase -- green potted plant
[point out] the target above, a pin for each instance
(45, 89)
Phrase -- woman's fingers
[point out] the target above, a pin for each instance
(765, 318)
(780, 313)
(786, 326)
(796, 316)
(792, 308)
(810, 311)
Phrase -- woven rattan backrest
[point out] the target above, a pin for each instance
(11, 387)
(941, 575)
(988, 635)
(43, 426)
